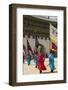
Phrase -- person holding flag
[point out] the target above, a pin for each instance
(28, 58)
(51, 61)
(35, 58)
(40, 64)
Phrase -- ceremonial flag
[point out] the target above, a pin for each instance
(29, 47)
(53, 37)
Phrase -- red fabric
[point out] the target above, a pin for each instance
(54, 46)
(41, 65)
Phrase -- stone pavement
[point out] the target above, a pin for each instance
(30, 69)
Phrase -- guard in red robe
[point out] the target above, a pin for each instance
(40, 64)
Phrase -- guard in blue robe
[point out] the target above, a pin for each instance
(28, 59)
(51, 61)
(35, 59)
